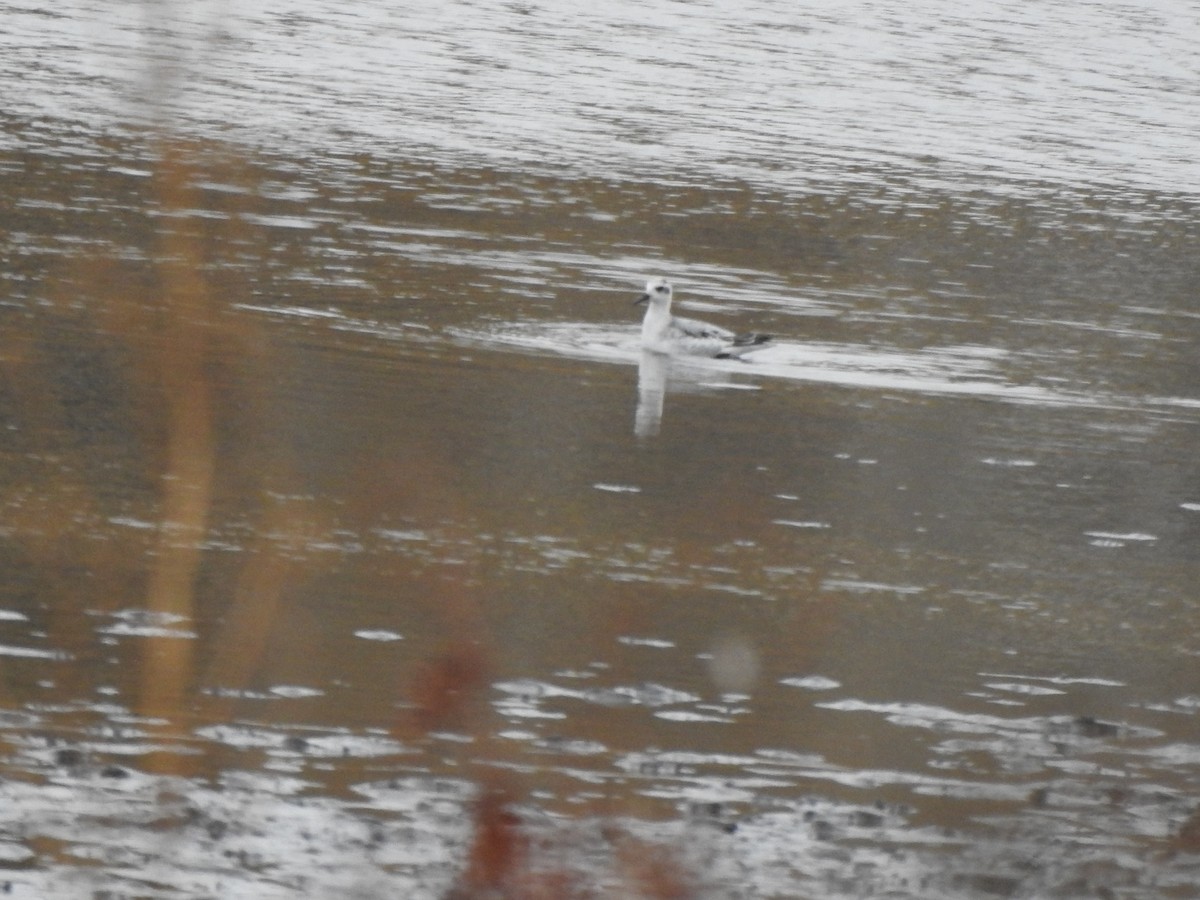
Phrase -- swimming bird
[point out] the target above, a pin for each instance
(665, 333)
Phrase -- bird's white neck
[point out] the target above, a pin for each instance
(657, 321)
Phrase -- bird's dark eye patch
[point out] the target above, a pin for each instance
(661, 289)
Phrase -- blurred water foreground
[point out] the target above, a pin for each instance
(350, 544)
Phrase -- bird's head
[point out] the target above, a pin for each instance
(656, 289)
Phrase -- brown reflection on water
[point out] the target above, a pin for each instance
(186, 321)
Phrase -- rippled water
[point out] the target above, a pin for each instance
(984, 94)
(336, 485)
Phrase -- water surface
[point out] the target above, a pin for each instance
(336, 485)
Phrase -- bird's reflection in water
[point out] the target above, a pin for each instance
(652, 389)
(660, 372)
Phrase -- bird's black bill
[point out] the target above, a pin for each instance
(641, 299)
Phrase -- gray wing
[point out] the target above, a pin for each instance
(695, 329)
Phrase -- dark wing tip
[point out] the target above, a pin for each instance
(752, 340)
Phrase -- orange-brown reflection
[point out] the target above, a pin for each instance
(186, 325)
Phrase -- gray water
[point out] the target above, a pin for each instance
(336, 485)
